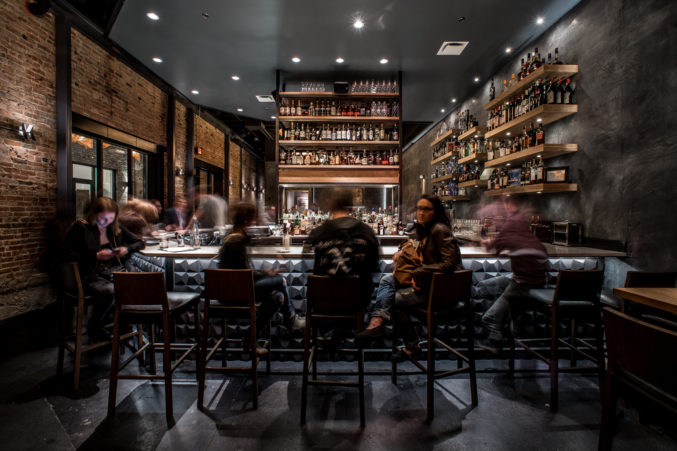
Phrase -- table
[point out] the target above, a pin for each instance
(660, 298)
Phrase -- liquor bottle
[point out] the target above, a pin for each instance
(396, 135)
(391, 159)
(382, 132)
(532, 135)
(569, 92)
(561, 97)
(396, 158)
(333, 108)
(549, 58)
(540, 171)
(540, 134)
(293, 109)
(283, 156)
(492, 90)
(557, 61)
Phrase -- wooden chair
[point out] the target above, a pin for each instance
(229, 294)
(637, 279)
(576, 297)
(449, 301)
(338, 301)
(72, 297)
(640, 360)
(141, 298)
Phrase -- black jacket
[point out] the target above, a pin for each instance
(82, 243)
(233, 253)
(345, 247)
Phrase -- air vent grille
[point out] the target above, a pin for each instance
(452, 47)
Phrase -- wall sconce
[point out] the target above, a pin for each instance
(230, 182)
(25, 131)
(179, 171)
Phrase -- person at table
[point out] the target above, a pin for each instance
(439, 252)
(344, 246)
(175, 217)
(138, 216)
(528, 259)
(270, 288)
(100, 245)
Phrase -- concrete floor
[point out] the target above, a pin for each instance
(39, 411)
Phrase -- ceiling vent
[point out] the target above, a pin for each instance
(265, 98)
(452, 47)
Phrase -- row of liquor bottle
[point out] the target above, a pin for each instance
(323, 157)
(448, 189)
(528, 138)
(344, 132)
(463, 172)
(532, 62)
(474, 146)
(553, 91)
(465, 121)
(532, 171)
(384, 222)
(365, 86)
(291, 107)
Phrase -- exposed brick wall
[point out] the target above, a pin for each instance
(180, 149)
(249, 163)
(109, 91)
(211, 139)
(27, 168)
(234, 162)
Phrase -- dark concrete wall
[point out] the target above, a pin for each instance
(627, 163)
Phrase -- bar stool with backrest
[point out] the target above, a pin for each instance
(337, 301)
(72, 297)
(648, 279)
(141, 298)
(449, 301)
(639, 360)
(575, 297)
(228, 294)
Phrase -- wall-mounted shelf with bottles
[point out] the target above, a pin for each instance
(445, 177)
(473, 158)
(473, 132)
(543, 72)
(442, 158)
(538, 188)
(543, 114)
(473, 184)
(454, 198)
(384, 119)
(445, 135)
(328, 94)
(543, 151)
(315, 143)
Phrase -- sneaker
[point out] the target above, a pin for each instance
(488, 344)
(371, 334)
(401, 356)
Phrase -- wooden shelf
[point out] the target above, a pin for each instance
(445, 135)
(442, 158)
(472, 157)
(444, 177)
(388, 119)
(310, 143)
(537, 188)
(543, 72)
(544, 151)
(318, 167)
(475, 132)
(473, 184)
(333, 94)
(547, 113)
(328, 174)
(452, 198)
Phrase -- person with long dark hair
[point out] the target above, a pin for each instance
(439, 253)
(100, 246)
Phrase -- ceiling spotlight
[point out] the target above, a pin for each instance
(157, 60)
(453, 100)
(539, 120)
(358, 23)
(507, 134)
(240, 110)
(477, 79)
(195, 91)
(340, 60)
(508, 49)
(460, 19)
(442, 110)
(235, 77)
(540, 21)
(205, 15)
(296, 59)
(384, 61)
(152, 16)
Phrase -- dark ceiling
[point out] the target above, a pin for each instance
(204, 42)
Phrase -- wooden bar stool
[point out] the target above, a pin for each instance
(337, 301)
(72, 297)
(449, 301)
(228, 294)
(576, 297)
(141, 298)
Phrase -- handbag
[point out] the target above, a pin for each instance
(410, 259)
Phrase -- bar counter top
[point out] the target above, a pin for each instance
(385, 252)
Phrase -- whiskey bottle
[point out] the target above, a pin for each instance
(492, 90)
(557, 60)
(540, 134)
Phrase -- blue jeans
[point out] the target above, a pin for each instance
(268, 291)
(385, 296)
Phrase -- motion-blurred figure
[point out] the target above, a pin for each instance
(138, 216)
(175, 217)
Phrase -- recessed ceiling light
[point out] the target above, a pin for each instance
(358, 23)
(384, 61)
(340, 60)
(235, 77)
(152, 16)
(296, 59)
(195, 91)
(240, 110)
(157, 60)
(442, 110)
(540, 21)
(508, 49)
(476, 79)
(273, 117)
(453, 100)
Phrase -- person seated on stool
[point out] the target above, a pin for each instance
(100, 246)
(528, 260)
(270, 288)
(440, 254)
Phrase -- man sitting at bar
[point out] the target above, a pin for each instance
(528, 261)
(345, 246)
